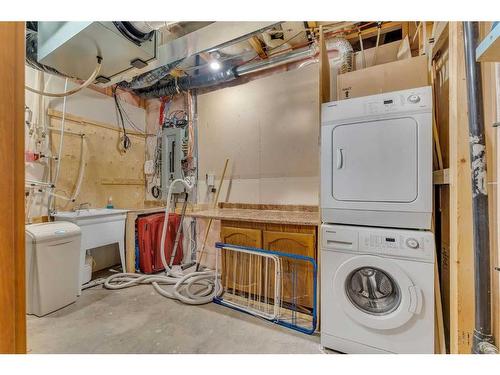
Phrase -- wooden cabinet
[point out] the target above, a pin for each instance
(236, 267)
(297, 275)
(241, 236)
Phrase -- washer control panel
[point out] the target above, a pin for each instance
(397, 243)
(414, 245)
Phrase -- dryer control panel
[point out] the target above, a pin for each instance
(394, 243)
(396, 102)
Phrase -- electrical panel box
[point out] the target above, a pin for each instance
(172, 155)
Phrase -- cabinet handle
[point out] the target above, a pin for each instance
(340, 158)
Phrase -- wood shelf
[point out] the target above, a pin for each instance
(489, 49)
(121, 181)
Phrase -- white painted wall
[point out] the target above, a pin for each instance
(269, 130)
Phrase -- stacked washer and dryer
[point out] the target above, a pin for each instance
(377, 253)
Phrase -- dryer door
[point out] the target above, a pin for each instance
(376, 293)
(375, 161)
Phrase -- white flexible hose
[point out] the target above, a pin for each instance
(83, 157)
(195, 288)
(72, 91)
(61, 139)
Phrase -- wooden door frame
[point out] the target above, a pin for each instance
(12, 128)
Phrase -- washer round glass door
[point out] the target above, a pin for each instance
(376, 292)
(373, 291)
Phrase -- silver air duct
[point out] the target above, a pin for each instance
(299, 54)
(345, 51)
(175, 86)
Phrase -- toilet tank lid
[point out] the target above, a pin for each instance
(50, 231)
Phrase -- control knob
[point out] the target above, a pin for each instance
(412, 243)
(414, 99)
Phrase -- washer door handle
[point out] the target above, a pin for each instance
(415, 299)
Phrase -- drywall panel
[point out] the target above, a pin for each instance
(268, 128)
(281, 190)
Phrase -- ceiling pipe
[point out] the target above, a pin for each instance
(482, 341)
(284, 58)
(177, 85)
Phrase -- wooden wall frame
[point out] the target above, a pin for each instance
(12, 268)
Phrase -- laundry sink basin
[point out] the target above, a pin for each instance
(99, 226)
(89, 213)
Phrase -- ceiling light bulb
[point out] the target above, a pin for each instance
(215, 65)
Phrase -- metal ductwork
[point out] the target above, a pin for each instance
(175, 86)
(297, 55)
(346, 53)
(482, 342)
(127, 48)
(32, 50)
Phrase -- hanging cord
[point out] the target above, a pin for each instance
(72, 91)
(51, 200)
(379, 26)
(362, 49)
(126, 140)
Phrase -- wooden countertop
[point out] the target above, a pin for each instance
(259, 215)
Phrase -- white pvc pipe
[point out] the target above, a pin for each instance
(61, 141)
(83, 157)
(72, 91)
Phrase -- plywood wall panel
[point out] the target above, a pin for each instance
(108, 172)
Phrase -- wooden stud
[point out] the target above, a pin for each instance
(257, 46)
(461, 254)
(12, 251)
(372, 31)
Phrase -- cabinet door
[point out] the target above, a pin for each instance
(239, 271)
(297, 275)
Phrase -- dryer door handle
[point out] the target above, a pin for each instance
(340, 158)
(415, 299)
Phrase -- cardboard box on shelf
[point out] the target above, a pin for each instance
(393, 76)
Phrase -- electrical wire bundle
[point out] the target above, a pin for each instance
(126, 143)
(176, 119)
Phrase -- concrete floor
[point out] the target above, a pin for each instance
(138, 320)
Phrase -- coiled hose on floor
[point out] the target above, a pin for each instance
(194, 288)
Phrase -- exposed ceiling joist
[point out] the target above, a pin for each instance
(257, 46)
(372, 31)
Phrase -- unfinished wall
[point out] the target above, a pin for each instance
(87, 104)
(107, 172)
(268, 128)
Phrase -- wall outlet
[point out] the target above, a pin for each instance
(149, 167)
(210, 179)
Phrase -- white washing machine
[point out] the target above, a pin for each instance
(376, 160)
(377, 290)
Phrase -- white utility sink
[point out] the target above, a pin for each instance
(100, 226)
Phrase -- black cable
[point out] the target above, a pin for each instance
(126, 140)
(129, 120)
